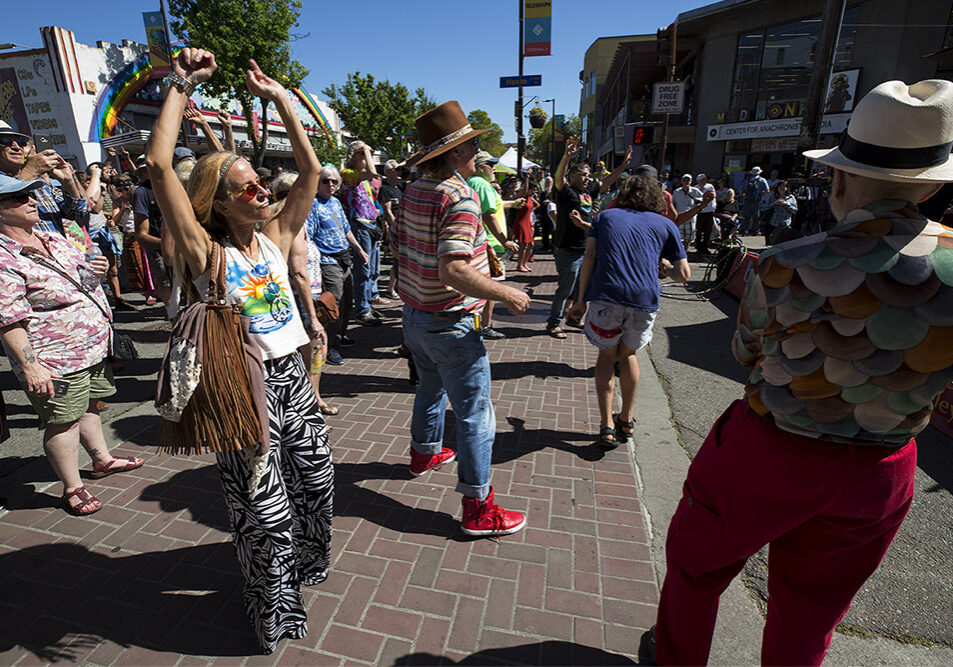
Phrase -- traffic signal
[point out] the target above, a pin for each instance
(643, 135)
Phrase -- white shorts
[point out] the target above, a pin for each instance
(609, 323)
(687, 230)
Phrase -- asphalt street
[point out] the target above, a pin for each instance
(909, 597)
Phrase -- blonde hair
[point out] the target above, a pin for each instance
(280, 185)
(184, 170)
(352, 149)
(207, 185)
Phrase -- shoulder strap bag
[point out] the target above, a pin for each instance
(211, 391)
(121, 346)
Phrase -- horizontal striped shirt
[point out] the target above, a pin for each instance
(437, 219)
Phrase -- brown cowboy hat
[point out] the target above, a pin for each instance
(440, 129)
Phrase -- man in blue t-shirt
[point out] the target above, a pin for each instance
(328, 229)
(626, 247)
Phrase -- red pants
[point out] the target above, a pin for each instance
(829, 512)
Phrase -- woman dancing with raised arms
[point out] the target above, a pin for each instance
(282, 527)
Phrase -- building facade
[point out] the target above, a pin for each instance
(80, 99)
(746, 67)
(756, 60)
(595, 68)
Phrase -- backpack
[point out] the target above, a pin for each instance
(752, 189)
(155, 213)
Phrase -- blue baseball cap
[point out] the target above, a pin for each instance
(182, 153)
(10, 186)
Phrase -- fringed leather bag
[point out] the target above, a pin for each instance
(211, 391)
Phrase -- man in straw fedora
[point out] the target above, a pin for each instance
(849, 335)
(440, 246)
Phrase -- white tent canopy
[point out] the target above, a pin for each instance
(508, 159)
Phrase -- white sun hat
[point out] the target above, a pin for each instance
(898, 133)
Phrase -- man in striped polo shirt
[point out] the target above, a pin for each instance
(440, 246)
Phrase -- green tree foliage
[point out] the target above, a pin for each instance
(540, 141)
(492, 141)
(328, 151)
(236, 30)
(379, 113)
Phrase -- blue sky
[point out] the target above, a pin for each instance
(455, 50)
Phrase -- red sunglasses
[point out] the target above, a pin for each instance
(248, 192)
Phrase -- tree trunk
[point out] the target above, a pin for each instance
(260, 148)
(249, 131)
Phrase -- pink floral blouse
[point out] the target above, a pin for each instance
(67, 331)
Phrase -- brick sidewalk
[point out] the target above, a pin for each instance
(152, 579)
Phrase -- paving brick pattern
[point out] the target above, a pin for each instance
(152, 579)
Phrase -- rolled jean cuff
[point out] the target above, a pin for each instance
(426, 447)
(479, 491)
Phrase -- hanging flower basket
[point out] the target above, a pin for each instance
(537, 117)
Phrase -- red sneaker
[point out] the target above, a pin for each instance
(421, 463)
(484, 517)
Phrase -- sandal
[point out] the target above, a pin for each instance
(118, 464)
(556, 332)
(575, 324)
(86, 505)
(328, 410)
(607, 438)
(623, 430)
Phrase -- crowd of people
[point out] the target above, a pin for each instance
(846, 329)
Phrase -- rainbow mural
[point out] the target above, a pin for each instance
(311, 105)
(116, 94)
(114, 97)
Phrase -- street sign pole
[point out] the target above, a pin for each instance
(520, 141)
(813, 114)
(671, 77)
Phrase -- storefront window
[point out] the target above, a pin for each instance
(774, 65)
(745, 91)
(944, 70)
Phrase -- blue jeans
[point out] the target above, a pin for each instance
(751, 223)
(452, 364)
(365, 275)
(567, 268)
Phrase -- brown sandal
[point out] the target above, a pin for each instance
(118, 464)
(86, 506)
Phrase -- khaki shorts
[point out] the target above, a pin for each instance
(608, 324)
(84, 386)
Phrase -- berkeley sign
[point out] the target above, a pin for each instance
(781, 127)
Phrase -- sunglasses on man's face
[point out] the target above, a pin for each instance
(329, 181)
(6, 142)
(248, 192)
(17, 200)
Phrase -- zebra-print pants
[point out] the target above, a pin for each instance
(283, 536)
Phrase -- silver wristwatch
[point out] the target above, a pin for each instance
(179, 81)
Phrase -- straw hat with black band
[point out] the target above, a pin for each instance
(440, 129)
(898, 133)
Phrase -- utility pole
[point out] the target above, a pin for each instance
(820, 75)
(520, 139)
(168, 43)
(552, 138)
(660, 34)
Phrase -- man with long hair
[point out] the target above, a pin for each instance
(626, 246)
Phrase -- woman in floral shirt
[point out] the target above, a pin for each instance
(57, 340)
